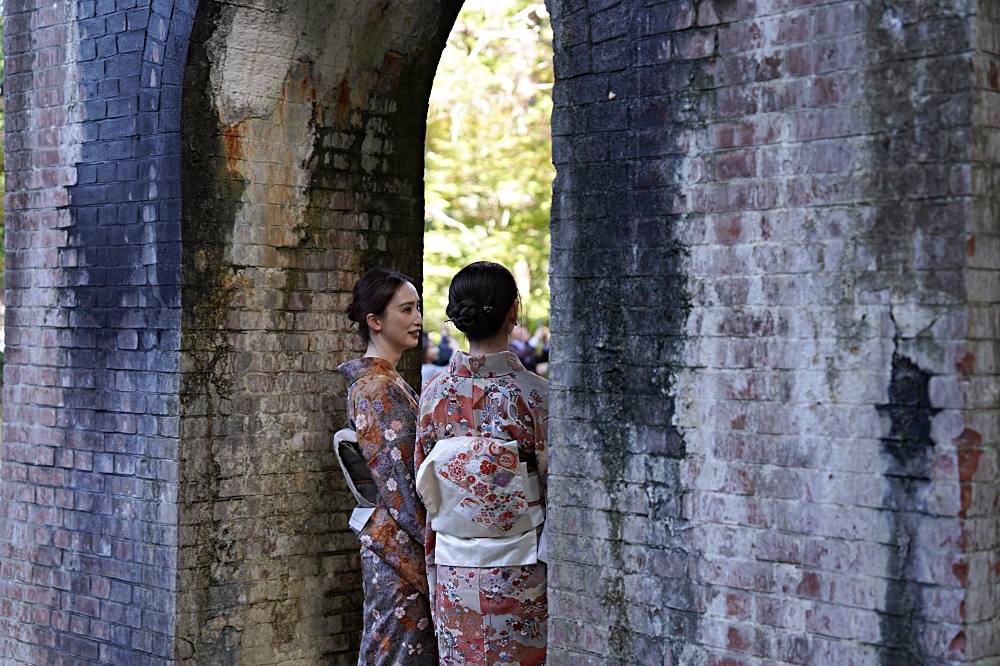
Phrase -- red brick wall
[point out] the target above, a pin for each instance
(764, 295)
(976, 463)
(774, 290)
(167, 483)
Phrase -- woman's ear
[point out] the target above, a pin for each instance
(512, 316)
(374, 323)
(512, 313)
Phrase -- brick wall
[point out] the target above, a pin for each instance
(773, 377)
(168, 493)
(302, 168)
(88, 517)
(976, 454)
(774, 290)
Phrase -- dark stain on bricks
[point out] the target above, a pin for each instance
(619, 310)
(212, 190)
(907, 453)
(914, 116)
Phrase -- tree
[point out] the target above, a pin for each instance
(488, 153)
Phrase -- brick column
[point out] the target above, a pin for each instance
(37, 490)
(89, 541)
(302, 167)
(977, 467)
(773, 390)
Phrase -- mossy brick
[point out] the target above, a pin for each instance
(653, 331)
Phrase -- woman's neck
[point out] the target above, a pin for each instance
(383, 351)
(498, 343)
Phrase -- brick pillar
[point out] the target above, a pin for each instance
(977, 464)
(302, 167)
(174, 325)
(88, 540)
(774, 277)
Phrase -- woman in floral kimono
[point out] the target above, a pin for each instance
(382, 409)
(483, 461)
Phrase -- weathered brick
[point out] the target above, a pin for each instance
(773, 248)
(785, 415)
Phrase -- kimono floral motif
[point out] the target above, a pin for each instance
(494, 615)
(397, 618)
(490, 473)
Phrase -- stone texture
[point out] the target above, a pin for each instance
(774, 280)
(302, 167)
(88, 528)
(767, 410)
(167, 482)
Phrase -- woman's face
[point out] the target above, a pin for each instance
(400, 327)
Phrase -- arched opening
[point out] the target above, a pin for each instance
(488, 176)
(302, 166)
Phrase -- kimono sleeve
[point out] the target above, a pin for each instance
(535, 395)
(386, 426)
(426, 437)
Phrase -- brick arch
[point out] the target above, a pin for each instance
(302, 166)
(167, 284)
(774, 270)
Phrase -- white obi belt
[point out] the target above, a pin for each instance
(484, 505)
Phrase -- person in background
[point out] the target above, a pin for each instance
(519, 345)
(446, 347)
(381, 408)
(531, 350)
(482, 455)
(430, 368)
(540, 343)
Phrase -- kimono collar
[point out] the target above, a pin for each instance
(501, 363)
(355, 369)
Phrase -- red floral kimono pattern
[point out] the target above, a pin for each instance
(397, 620)
(492, 615)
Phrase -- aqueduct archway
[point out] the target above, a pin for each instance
(774, 279)
(302, 166)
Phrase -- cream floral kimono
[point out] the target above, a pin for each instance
(489, 614)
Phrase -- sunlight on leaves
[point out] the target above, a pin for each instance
(488, 160)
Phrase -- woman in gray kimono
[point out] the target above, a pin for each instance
(382, 409)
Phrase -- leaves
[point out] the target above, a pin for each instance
(488, 166)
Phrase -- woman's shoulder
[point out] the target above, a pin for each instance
(527, 380)
(368, 373)
(365, 366)
(436, 388)
(535, 380)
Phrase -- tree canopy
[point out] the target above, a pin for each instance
(488, 168)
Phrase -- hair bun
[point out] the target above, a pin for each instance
(470, 311)
(352, 311)
(469, 317)
(479, 298)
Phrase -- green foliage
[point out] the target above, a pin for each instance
(488, 156)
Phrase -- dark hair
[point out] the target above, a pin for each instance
(480, 297)
(372, 294)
